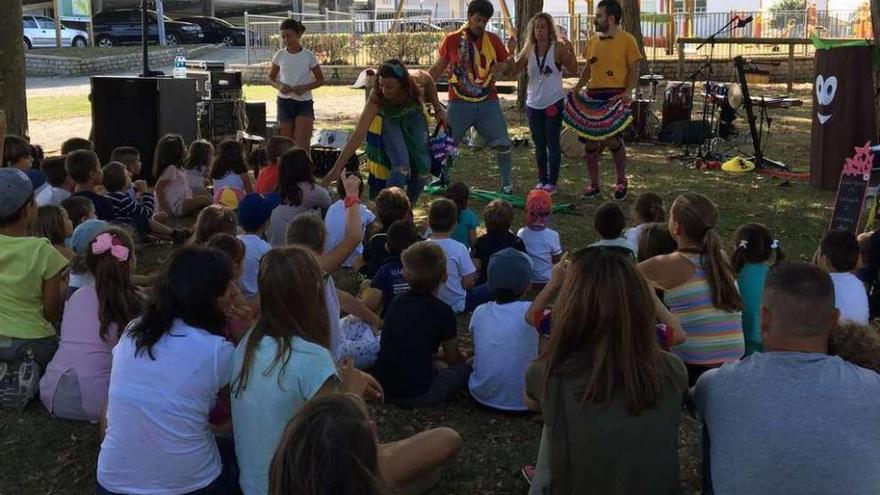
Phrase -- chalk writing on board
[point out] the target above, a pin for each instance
(850, 201)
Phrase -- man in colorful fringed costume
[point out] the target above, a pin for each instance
(474, 56)
(603, 112)
(394, 125)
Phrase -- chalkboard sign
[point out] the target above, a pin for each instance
(850, 202)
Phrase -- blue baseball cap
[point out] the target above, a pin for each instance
(254, 210)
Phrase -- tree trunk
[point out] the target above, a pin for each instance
(12, 69)
(525, 10)
(632, 24)
(875, 26)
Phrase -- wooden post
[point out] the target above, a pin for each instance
(56, 5)
(680, 58)
(397, 14)
(790, 67)
(505, 16)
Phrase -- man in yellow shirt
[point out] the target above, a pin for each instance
(599, 116)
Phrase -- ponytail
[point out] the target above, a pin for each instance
(118, 299)
(719, 274)
(697, 216)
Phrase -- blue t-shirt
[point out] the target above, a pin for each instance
(389, 279)
(261, 411)
(467, 220)
(103, 206)
(751, 287)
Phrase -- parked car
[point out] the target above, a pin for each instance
(39, 31)
(451, 25)
(217, 30)
(119, 27)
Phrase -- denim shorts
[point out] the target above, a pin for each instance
(289, 109)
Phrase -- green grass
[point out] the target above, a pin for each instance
(42, 455)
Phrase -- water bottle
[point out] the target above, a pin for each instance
(179, 65)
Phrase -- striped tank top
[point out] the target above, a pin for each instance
(714, 336)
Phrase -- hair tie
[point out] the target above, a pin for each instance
(744, 244)
(775, 244)
(108, 242)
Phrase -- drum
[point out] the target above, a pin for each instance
(678, 102)
(721, 93)
(641, 112)
(571, 146)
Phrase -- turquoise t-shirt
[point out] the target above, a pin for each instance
(751, 287)
(261, 412)
(467, 220)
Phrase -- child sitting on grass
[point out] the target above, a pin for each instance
(754, 246)
(60, 184)
(504, 344)
(214, 219)
(131, 158)
(389, 282)
(31, 288)
(229, 171)
(173, 195)
(52, 223)
(416, 325)
(298, 194)
(76, 380)
(498, 215)
(648, 209)
(197, 165)
(392, 205)
(466, 229)
(267, 180)
(541, 242)
(254, 212)
(136, 213)
(80, 242)
(334, 220)
(85, 170)
(655, 240)
(460, 291)
(838, 255)
(609, 223)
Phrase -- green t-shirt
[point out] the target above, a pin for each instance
(25, 262)
(467, 220)
(609, 450)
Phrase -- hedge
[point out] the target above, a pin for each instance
(371, 49)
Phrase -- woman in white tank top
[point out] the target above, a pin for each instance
(545, 56)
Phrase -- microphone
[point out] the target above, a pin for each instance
(744, 22)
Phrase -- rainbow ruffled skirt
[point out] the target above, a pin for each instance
(596, 115)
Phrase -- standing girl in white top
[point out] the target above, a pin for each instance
(545, 58)
(295, 73)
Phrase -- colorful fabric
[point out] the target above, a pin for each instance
(713, 335)
(609, 58)
(471, 64)
(598, 115)
(378, 162)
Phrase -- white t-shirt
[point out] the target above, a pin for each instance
(231, 180)
(158, 438)
(504, 346)
(296, 69)
(634, 234)
(541, 246)
(458, 266)
(851, 298)
(254, 249)
(51, 195)
(331, 299)
(334, 221)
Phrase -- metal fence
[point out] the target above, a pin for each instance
(660, 31)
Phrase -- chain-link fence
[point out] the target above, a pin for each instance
(362, 38)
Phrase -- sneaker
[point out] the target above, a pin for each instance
(506, 190)
(620, 191)
(591, 192)
(550, 188)
(528, 473)
(19, 384)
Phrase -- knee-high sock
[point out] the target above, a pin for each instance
(505, 161)
(593, 166)
(619, 156)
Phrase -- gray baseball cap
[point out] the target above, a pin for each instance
(15, 190)
(510, 269)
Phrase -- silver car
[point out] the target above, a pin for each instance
(39, 32)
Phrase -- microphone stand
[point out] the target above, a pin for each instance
(145, 39)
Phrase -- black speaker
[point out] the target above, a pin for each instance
(256, 117)
(137, 111)
(684, 132)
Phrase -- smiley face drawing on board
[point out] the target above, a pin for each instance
(826, 90)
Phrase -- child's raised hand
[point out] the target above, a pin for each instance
(352, 184)
(357, 382)
(557, 274)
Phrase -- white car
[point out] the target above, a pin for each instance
(39, 31)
